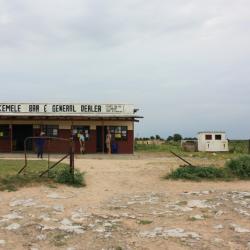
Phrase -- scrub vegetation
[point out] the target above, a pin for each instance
(236, 148)
(238, 168)
(10, 179)
(165, 147)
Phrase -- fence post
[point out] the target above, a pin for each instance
(72, 159)
(48, 155)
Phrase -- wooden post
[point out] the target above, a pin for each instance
(133, 127)
(103, 138)
(11, 139)
(48, 155)
(71, 159)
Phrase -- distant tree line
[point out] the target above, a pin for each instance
(174, 137)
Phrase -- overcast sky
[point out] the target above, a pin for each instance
(184, 63)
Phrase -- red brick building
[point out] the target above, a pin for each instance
(21, 120)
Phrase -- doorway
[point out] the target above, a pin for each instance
(19, 133)
(99, 139)
(101, 132)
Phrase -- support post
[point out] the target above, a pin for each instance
(48, 154)
(72, 163)
(25, 156)
(182, 159)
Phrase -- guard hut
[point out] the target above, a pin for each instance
(67, 120)
(212, 141)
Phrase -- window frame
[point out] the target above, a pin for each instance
(119, 133)
(216, 137)
(208, 137)
(79, 128)
(48, 130)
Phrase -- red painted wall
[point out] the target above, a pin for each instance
(126, 147)
(5, 145)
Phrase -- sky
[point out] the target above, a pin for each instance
(185, 63)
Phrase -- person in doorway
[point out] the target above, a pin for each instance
(108, 141)
(82, 142)
(40, 141)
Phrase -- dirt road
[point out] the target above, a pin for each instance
(128, 205)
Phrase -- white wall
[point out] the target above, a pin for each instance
(212, 145)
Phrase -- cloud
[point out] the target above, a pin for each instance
(185, 63)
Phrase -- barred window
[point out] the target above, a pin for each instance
(4, 131)
(76, 129)
(119, 133)
(50, 130)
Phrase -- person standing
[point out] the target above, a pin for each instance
(108, 141)
(40, 141)
(82, 142)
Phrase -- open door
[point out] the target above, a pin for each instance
(19, 133)
(99, 139)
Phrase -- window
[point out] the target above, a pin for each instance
(217, 137)
(50, 130)
(77, 129)
(4, 131)
(208, 137)
(119, 133)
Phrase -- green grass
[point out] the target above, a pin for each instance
(236, 148)
(166, 147)
(238, 168)
(239, 146)
(11, 181)
(197, 173)
(145, 222)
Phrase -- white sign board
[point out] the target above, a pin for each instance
(65, 109)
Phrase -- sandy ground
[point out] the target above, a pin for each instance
(128, 205)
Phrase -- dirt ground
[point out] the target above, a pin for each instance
(128, 205)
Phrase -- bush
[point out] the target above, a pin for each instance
(65, 177)
(197, 173)
(240, 167)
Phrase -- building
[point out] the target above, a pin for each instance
(189, 145)
(65, 120)
(212, 141)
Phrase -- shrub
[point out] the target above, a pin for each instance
(240, 167)
(64, 176)
(197, 173)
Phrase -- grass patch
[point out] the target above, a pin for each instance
(236, 148)
(63, 176)
(238, 168)
(197, 173)
(192, 219)
(165, 147)
(11, 181)
(118, 248)
(182, 203)
(145, 222)
(59, 239)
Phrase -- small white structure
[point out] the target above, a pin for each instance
(212, 141)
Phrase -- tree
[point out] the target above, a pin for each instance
(190, 138)
(152, 137)
(177, 137)
(170, 138)
(157, 137)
